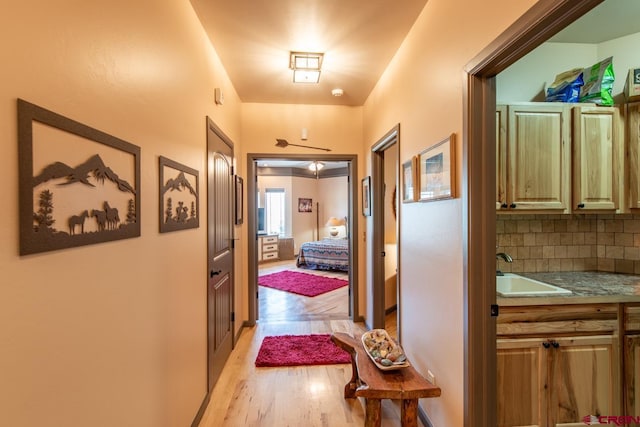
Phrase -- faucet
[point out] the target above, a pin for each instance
(504, 256)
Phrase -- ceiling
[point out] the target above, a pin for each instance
(254, 38)
(358, 38)
(301, 164)
(609, 20)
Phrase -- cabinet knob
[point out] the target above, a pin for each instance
(555, 344)
(546, 344)
(512, 205)
(580, 205)
(504, 206)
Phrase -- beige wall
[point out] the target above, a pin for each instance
(334, 202)
(111, 334)
(338, 128)
(422, 90)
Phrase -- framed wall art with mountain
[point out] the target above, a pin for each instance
(179, 196)
(77, 185)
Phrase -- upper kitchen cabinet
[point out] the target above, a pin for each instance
(538, 157)
(597, 159)
(632, 131)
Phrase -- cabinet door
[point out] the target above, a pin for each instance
(632, 121)
(584, 379)
(538, 157)
(501, 157)
(632, 374)
(521, 382)
(595, 158)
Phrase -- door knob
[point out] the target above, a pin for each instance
(215, 273)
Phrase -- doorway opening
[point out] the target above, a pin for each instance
(300, 211)
(385, 239)
(536, 26)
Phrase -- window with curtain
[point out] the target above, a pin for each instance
(274, 210)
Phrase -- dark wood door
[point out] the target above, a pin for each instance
(220, 250)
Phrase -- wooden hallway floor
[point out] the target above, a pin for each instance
(305, 396)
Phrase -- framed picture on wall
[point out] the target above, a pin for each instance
(305, 205)
(179, 196)
(77, 185)
(436, 171)
(408, 180)
(366, 196)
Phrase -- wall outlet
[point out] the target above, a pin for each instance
(430, 377)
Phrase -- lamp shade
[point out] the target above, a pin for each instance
(334, 222)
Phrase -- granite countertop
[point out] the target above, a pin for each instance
(586, 287)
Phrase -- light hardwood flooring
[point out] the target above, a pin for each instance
(309, 396)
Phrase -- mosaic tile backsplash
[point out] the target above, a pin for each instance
(542, 243)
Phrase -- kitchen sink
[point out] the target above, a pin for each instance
(512, 285)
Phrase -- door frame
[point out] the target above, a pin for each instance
(211, 126)
(252, 225)
(537, 25)
(392, 137)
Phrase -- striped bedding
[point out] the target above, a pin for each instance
(327, 254)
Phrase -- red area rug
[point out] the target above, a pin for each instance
(299, 350)
(305, 284)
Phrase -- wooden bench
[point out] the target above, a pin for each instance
(373, 384)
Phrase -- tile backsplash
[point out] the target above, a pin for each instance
(540, 243)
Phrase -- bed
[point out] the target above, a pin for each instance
(327, 254)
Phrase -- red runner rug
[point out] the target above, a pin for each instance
(305, 284)
(299, 350)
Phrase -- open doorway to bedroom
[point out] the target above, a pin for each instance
(300, 210)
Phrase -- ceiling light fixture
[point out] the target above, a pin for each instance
(316, 166)
(337, 92)
(306, 66)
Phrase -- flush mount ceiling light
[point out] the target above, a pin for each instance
(337, 92)
(306, 66)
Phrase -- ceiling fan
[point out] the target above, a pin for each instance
(283, 143)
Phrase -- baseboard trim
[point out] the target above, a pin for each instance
(200, 414)
(422, 415)
(391, 309)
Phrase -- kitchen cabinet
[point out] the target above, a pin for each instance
(538, 159)
(632, 359)
(559, 158)
(557, 364)
(597, 159)
(632, 137)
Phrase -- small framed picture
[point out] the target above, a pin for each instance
(366, 196)
(436, 171)
(408, 180)
(239, 200)
(305, 205)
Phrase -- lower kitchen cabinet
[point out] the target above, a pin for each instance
(558, 364)
(556, 381)
(632, 374)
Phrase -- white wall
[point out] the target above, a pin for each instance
(527, 79)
